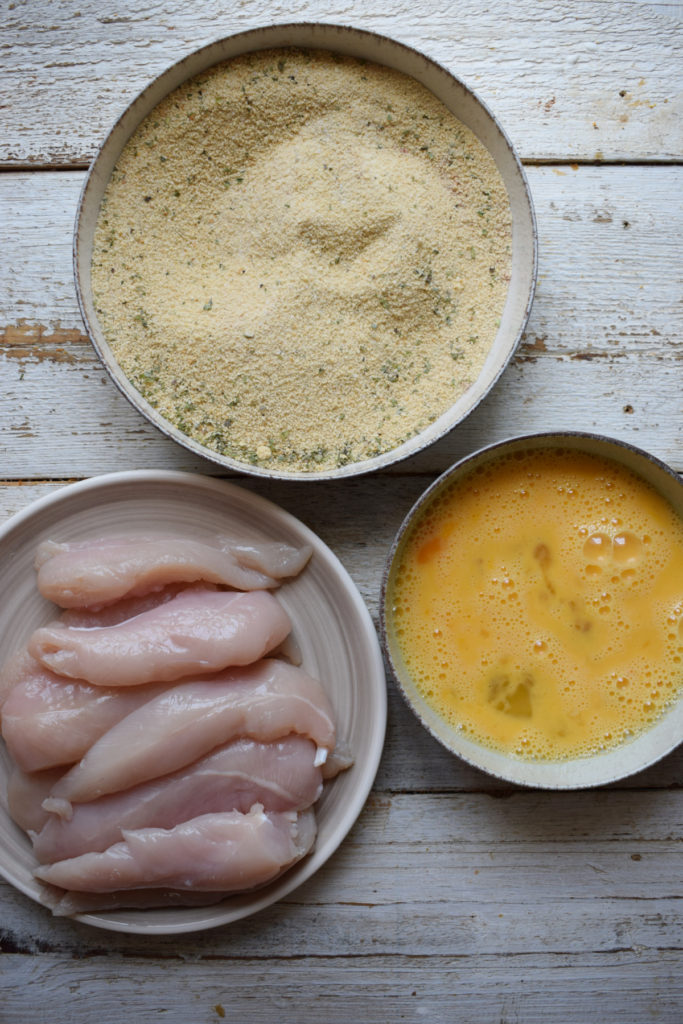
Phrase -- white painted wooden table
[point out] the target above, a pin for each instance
(454, 898)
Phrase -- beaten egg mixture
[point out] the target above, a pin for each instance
(538, 604)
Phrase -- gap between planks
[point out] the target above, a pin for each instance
(10, 167)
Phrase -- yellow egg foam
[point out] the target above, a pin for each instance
(538, 604)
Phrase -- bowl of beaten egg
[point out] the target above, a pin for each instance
(532, 610)
(305, 251)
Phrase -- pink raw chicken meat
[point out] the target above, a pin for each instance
(265, 702)
(97, 572)
(198, 631)
(14, 669)
(215, 852)
(281, 776)
(126, 608)
(25, 794)
(13, 672)
(66, 904)
(48, 720)
(52, 721)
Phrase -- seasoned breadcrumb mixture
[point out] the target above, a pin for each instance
(301, 259)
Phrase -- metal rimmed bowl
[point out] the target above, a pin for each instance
(575, 772)
(463, 103)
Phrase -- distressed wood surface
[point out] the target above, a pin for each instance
(588, 79)
(455, 897)
(603, 902)
(599, 330)
(380, 990)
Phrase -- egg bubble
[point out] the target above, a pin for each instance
(627, 548)
(598, 547)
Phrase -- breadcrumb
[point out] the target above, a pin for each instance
(301, 259)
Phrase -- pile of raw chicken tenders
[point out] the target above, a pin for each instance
(165, 750)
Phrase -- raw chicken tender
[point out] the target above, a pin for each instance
(339, 760)
(126, 608)
(12, 672)
(66, 904)
(25, 794)
(265, 702)
(14, 669)
(159, 758)
(198, 631)
(20, 667)
(48, 720)
(281, 776)
(214, 852)
(97, 572)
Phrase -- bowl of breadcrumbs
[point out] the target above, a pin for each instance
(305, 251)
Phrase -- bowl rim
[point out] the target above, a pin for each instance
(255, 39)
(596, 769)
(235, 909)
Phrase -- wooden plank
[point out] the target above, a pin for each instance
(63, 417)
(669, 8)
(449, 927)
(584, 81)
(599, 331)
(603, 233)
(482, 870)
(539, 989)
(455, 897)
(412, 759)
(362, 541)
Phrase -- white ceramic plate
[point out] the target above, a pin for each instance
(331, 624)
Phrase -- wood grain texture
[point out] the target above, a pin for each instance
(587, 81)
(381, 990)
(606, 327)
(401, 899)
(456, 897)
(358, 520)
